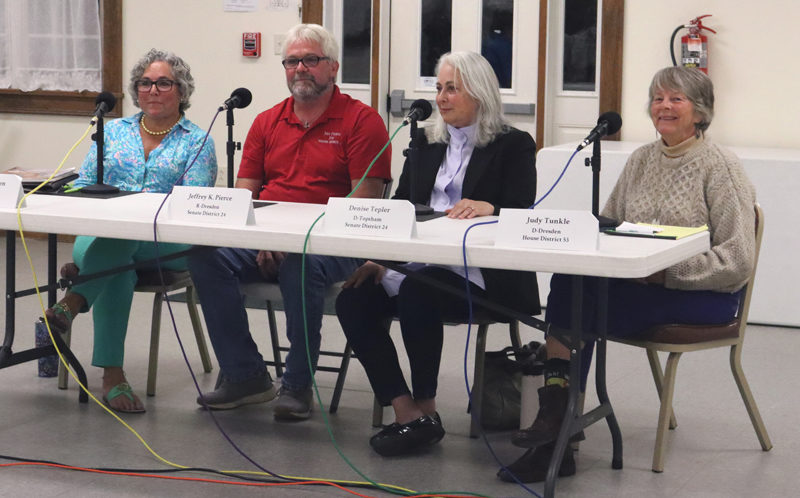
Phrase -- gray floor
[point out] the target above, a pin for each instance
(714, 451)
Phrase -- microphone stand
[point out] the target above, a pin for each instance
(413, 163)
(230, 146)
(100, 187)
(594, 162)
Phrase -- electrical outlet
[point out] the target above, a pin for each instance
(277, 43)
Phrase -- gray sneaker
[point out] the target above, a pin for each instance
(227, 395)
(294, 405)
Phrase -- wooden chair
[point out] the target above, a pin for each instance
(149, 281)
(677, 339)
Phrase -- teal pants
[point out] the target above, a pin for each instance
(110, 297)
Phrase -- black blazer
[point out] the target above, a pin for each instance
(504, 174)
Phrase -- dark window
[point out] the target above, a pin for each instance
(356, 37)
(497, 35)
(580, 45)
(436, 29)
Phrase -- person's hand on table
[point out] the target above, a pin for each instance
(467, 208)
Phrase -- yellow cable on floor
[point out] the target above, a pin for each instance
(86, 390)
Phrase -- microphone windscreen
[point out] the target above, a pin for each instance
(425, 108)
(613, 120)
(108, 98)
(244, 97)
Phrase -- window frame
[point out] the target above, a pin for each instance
(81, 103)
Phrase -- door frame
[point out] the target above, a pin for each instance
(610, 97)
(312, 12)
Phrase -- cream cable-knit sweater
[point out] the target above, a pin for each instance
(691, 184)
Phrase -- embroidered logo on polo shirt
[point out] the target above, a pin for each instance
(331, 137)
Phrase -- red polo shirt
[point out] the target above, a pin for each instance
(296, 164)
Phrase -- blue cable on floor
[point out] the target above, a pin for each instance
(469, 323)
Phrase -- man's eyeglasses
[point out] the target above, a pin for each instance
(162, 84)
(308, 61)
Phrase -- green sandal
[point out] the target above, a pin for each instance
(121, 389)
(60, 317)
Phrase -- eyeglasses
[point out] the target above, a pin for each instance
(162, 84)
(308, 61)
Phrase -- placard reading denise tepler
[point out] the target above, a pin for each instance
(10, 191)
(565, 230)
(220, 206)
(393, 218)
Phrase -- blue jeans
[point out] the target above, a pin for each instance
(217, 275)
(634, 308)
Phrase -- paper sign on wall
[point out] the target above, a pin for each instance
(566, 230)
(10, 191)
(393, 218)
(215, 205)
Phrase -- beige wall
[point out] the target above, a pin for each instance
(753, 64)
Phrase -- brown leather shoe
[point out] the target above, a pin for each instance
(552, 406)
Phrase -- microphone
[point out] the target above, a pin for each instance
(607, 124)
(239, 99)
(421, 110)
(105, 103)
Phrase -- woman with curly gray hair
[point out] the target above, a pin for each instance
(147, 152)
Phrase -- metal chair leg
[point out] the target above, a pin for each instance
(155, 332)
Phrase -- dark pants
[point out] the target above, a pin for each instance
(366, 313)
(633, 308)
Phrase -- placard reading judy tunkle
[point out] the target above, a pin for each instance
(220, 206)
(392, 218)
(566, 230)
(10, 191)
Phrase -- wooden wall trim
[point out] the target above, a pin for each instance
(375, 63)
(541, 78)
(611, 58)
(311, 12)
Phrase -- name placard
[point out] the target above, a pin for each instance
(392, 218)
(565, 230)
(10, 191)
(214, 205)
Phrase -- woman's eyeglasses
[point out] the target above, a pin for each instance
(308, 61)
(162, 84)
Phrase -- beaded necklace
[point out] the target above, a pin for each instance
(156, 133)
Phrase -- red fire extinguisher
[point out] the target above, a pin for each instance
(694, 45)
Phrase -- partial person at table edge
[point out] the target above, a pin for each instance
(472, 164)
(681, 179)
(314, 145)
(149, 151)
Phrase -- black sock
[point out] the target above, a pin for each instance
(556, 372)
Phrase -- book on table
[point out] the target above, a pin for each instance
(654, 231)
(32, 178)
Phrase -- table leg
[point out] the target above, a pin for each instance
(8, 340)
(600, 372)
(574, 388)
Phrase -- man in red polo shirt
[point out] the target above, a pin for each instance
(314, 145)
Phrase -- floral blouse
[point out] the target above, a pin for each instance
(124, 165)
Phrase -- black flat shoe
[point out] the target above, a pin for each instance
(532, 466)
(400, 439)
